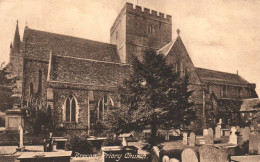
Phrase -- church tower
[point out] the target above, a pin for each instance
(15, 65)
(135, 30)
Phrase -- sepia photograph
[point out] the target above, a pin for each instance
(129, 81)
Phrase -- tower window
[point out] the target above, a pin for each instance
(40, 82)
(151, 29)
(103, 106)
(239, 92)
(31, 89)
(70, 108)
(224, 91)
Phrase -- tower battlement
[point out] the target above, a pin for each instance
(143, 12)
(130, 8)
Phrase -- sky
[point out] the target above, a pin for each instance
(221, 35)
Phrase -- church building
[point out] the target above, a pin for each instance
(78, 79)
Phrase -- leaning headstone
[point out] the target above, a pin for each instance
(218, 131)
(233, 136)
(165, 158)
(212, 154)
(245, 133)
(192, 139)
(209, 139)
(254, 140)
(185, 138)
(205, 132)
(189, 155)
(174, 160)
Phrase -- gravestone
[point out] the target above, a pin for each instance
(218, 131)
(254, 140)
(156, 151)
(192, 139)
(245, 133)
(165, 158)
(21, 147)
(212, 154)
(189, 155)
(209, 139)
(185, 138)
(233, 136)
(174, 160)
(205, 132)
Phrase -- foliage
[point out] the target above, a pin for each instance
(153, 95)
(7, 84)
(112, 141)
(81, 145)
(37, 116)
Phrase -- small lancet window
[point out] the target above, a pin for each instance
(150, 29)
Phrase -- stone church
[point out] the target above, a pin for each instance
(78, 78)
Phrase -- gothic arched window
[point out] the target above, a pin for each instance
(70, 108)
(103, 106)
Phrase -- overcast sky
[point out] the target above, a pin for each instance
(219, 35)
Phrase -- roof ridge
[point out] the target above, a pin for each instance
(216, 71)
(70, 36)
(79, 58)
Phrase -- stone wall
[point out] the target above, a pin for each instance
(130, 31)
(31, 75)
(81, 96)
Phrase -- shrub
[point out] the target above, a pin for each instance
(81, 145)
(112, 142)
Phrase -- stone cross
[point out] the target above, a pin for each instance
(233, 136)
(185, 138)
(220, 122)
(178, 31)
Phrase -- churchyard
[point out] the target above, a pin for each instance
(213, 145)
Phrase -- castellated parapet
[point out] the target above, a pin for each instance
(146, 13)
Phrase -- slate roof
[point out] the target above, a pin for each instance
(166, 49)
(86, 71)
(38, 44)
(218, 77)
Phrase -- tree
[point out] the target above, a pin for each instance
(37, 115)
(7, 84)
(153, 95)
